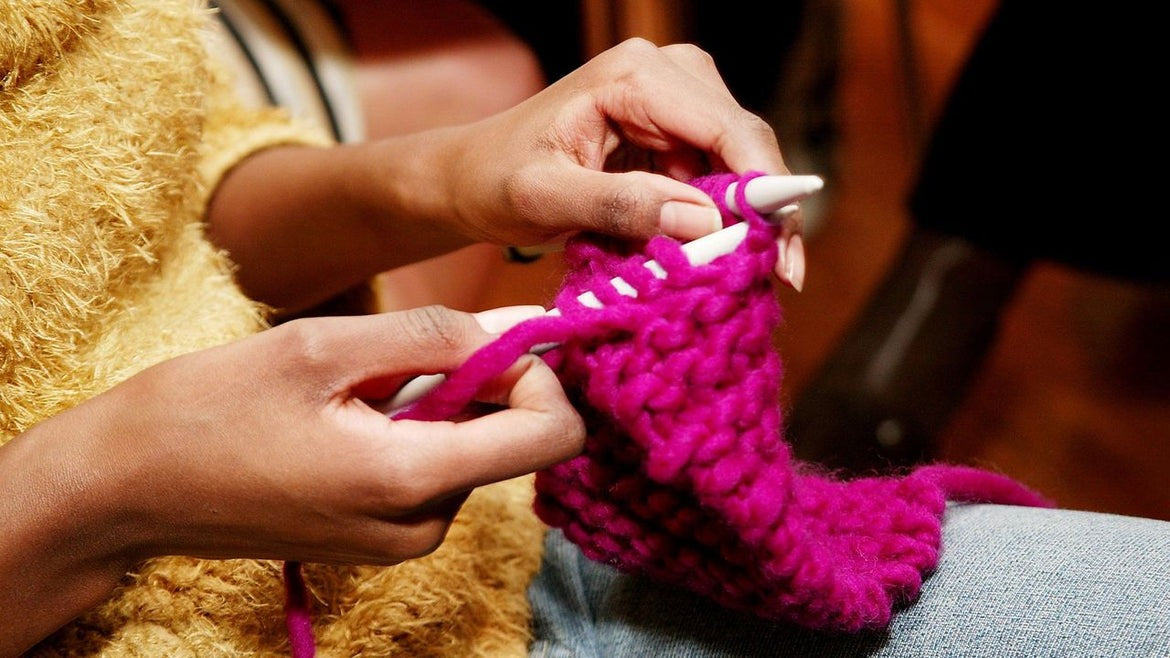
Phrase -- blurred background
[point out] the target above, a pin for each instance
(1070, 394)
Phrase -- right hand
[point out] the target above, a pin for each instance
(265, 448)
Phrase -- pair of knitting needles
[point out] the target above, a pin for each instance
(774, 197)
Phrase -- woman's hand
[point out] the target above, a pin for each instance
(266, 448)
(607, 148)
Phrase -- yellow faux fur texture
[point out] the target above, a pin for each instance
(114, 126)
(39, 31)
(465, 599)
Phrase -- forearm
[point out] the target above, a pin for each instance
(60, 554)
(304, 223)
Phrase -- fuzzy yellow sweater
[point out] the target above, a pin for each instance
(114, 127)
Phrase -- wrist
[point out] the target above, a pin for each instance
(61, 551)
(419, 199)
(68, 496)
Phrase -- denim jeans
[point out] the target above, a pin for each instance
(1012, 582)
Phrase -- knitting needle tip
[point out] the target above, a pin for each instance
(768, 194)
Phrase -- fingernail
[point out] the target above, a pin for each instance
(782, 257)
(499, 320)
(786, 211)
(794, 262)
(688, 221)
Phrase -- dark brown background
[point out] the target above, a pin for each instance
(1073, 399)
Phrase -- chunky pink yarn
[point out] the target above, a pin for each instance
(685, 476)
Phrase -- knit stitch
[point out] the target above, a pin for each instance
(685, 476)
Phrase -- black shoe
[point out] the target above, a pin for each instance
(890, 386)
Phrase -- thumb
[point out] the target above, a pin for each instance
(635, 204)
(435, 340)
(369, 356)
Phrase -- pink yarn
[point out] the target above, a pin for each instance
(685, 476)
(297, 616)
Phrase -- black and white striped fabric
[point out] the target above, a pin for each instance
(293, 54)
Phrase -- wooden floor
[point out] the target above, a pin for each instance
(1075, 399)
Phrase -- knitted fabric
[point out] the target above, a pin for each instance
(685, 476)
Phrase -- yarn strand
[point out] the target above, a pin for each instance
(297, 617)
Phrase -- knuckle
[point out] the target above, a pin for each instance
(437, 326)
(572, 430)
(301, 343)
(406, 485)
(525, 191)
(691, 53)
(760, 129)
(559, 423)
(635, 47)
(561, 436)
(621, 60)
(615, 215)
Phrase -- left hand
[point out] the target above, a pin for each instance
(608, 148)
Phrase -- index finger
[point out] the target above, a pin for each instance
(662, 102)
(538, 428)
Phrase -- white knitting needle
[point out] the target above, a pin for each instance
(772, 196)
(768, 195)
